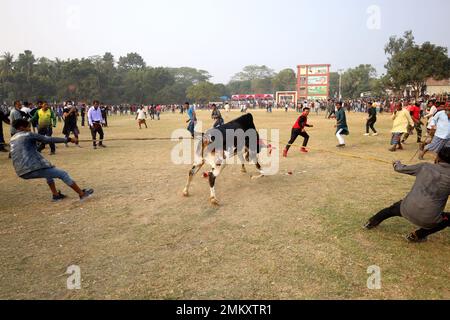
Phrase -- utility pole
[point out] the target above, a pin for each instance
(340, 83)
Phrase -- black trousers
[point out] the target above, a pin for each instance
(218, 123)
(418, 128)
(46, 132)
(82, 120)
(294, 134)
(94, 130)
(371, 125)
(394, 211)
(2, 138)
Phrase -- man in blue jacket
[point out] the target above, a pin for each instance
(30, 164)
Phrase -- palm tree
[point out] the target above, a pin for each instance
(6, 70)
(6, 64)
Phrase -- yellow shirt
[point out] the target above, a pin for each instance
(45, 118)
(401, 121)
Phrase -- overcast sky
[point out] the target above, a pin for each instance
(221, 36)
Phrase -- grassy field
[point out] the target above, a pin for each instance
(286, 236)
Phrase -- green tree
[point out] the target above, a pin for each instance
(285, 80)
(131, 61)
(239, 87)
(334, 85)
(253, 72)
(357, 80)
(203, 92)
(6, 75)
(413, 64)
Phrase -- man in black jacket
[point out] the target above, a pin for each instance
(3, 118)
(371, 120)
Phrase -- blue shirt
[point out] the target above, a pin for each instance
(190, 112)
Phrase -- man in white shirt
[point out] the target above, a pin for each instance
(141, 116)
(440, 123)
(95, 120)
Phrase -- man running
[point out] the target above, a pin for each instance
(415, 115)
(371, 120)
(299, 130)
(341, 125)
(192, 118)
(70, 115)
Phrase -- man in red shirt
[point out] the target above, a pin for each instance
(415, 112)
(299, 130)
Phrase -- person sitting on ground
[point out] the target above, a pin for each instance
(425, 203)
(30, 164)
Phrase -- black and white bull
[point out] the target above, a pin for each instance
(236, 138)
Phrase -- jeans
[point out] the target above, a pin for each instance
(50, 174)
(191, 127)
(48, 131)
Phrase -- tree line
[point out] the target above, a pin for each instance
(126, 80)
(130, 80)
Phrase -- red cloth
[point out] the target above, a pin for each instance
(415, 111)
(301, 122)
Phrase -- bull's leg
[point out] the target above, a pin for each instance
(246, 158)
(215, 172)
(261, 173)
(192, 172)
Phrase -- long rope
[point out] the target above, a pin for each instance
(138, 139)
(350, 155)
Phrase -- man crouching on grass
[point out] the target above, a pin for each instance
(30, 164)
(425, 203)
